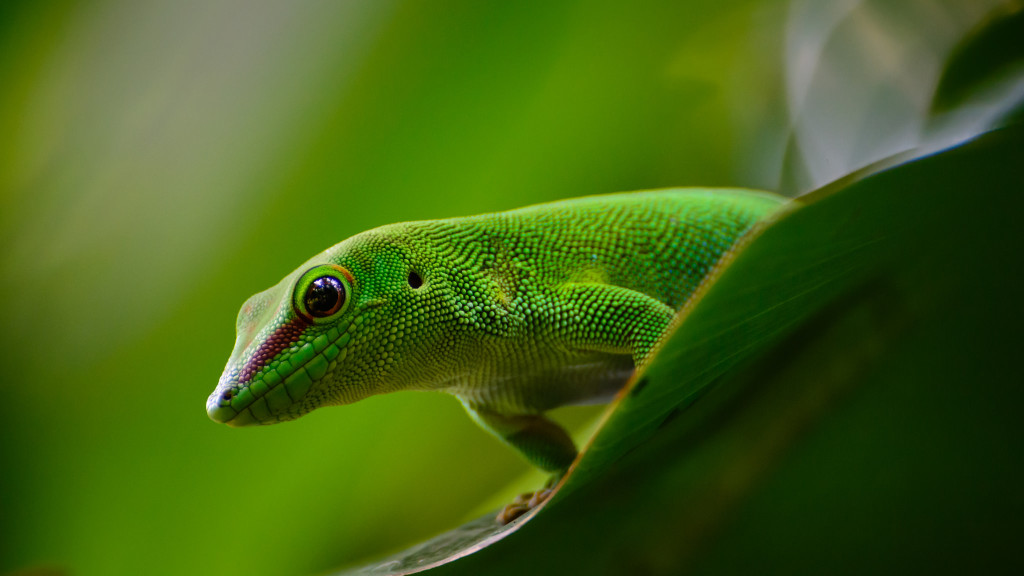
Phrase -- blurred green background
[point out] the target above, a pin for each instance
(162, 161)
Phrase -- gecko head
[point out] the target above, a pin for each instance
(329, 333)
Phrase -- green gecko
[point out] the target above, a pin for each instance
(514, 313)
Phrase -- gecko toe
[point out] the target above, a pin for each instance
(521, 505)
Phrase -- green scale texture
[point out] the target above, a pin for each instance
(516, 313)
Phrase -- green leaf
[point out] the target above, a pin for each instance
(990, 55)
(843, 398)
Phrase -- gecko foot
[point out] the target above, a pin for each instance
(522, 504)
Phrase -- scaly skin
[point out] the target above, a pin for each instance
(514, 313)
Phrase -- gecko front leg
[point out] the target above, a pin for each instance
(542, 442)
(611, 319)
(614, 319)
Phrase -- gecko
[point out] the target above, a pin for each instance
(514, 313)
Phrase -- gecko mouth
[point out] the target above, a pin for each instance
(222, 408)
(274, 392)
(219, 414)
(238, 407)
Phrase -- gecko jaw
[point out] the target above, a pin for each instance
(273, 390)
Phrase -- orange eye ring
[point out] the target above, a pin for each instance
(322, 293)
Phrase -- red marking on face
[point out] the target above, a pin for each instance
(285, 335)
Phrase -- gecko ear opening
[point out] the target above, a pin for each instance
(415, 280)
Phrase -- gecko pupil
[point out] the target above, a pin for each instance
(325, 296)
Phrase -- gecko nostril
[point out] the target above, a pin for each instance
(228, 394)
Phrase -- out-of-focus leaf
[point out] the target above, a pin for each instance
(992, 53)
(860, 75)
(982, 84)
(857, 387)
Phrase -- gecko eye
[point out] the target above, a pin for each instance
(325, 296)
(322, 293)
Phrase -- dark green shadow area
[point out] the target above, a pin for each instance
(844, 399)
(990, 54)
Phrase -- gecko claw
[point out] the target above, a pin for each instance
(522, 504)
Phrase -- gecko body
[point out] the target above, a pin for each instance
(514, 313)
